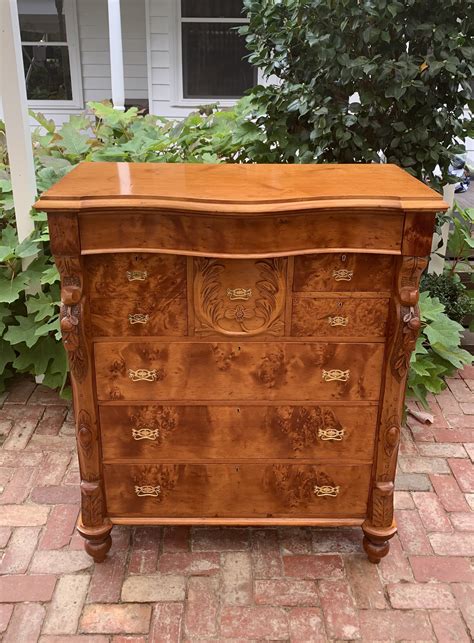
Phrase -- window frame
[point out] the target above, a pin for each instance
(177, 64)
(72, 43)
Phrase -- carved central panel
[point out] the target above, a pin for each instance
(239, 297)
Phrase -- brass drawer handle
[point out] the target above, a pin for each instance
(147, 490)
(342, 274)
(239, 293)
(331, 434)
(138, 318)
(338, 321)
(336, 375)
(144, 433)
(143, 375)
(325, 490)
(137, 275)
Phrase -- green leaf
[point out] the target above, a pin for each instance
(35, 359)
(41, 306)
(23, 331)
(73, 141)
(50, 275)
(10, 289)
(7, 354)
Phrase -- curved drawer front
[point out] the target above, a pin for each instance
(237, 490)
(223, 432)
(132, 276)
(343, 273)
(149, 315)
(339, 317)
(233, 371)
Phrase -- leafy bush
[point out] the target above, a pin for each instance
(411, 68)
(451, 293)
(437, 354)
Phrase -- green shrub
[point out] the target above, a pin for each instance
(410, 65)
(437, 354)
(451, 293)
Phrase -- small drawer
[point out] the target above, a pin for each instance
(339, 317)
(343, 273)
(145, 317)
(242, 371)
(241, 432)
(237, 490)
(129, 276)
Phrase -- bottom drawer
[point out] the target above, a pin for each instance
(236, 490)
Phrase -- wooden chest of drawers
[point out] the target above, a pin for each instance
(238, 339)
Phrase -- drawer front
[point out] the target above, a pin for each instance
(343, 273)
(237, 490)
(246, 371)
(239, 297)
(147, 316)
(241, 432)
(131, 276)
(339, 317)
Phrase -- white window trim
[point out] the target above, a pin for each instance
(177, 62)
(72, 35)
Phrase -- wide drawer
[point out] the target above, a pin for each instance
(233, 371)
(343, 273)
(132, 276)
(339, 317)
(238, 490)
(223, 432)
(146, 316)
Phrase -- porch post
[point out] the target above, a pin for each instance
(15, 112)
(116, 55)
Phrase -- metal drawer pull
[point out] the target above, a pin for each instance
(144, 433)
(138, 318)
(331, 434)
(142, 375)
(325, 490)
(336, 375)
(239, 293)
(148, 490)
(342, 274)
(137, 275)
(338, 321)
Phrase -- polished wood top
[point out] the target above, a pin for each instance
(239, 189)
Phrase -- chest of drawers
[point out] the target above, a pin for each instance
(238, 339)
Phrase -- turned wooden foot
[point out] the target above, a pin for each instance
(98, 541)
(376, 541)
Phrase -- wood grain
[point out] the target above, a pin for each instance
(133, 276)
(346, 272)
(241, 432)
(243, 237)
(148, 315)
(341, 317)
(245, 371)
(244, 490)
(232, 188)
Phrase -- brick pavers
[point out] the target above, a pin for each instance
(180, 584)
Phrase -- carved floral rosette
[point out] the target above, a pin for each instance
(239, 311)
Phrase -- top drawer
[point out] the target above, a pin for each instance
(343, 273)
(135, 276)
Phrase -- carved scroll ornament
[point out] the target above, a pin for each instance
(240, 310)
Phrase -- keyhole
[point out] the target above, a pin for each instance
(343, 257)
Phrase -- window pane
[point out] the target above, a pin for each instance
(212, 9)
(213, 61)
(47, 72)
(42, 20)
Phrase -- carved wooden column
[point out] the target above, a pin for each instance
(93, 524)
(379, 526)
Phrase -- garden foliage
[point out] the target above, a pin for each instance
(410, 63)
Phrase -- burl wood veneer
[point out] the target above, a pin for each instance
(239, 338)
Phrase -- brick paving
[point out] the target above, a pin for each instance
(179, 584)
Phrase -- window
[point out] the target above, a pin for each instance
(213, 54)
(48, 30)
